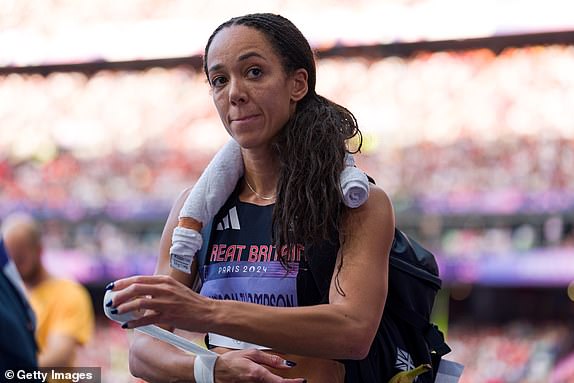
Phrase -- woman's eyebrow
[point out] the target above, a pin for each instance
(214, 68)
(248, 55)
(243, 57)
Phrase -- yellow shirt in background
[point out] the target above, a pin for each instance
(62, 306)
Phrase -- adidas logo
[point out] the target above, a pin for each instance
(230, 221)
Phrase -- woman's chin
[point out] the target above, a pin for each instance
(252, 143)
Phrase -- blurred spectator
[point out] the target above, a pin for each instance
(65, 318)
(17, 344)
(568, 237)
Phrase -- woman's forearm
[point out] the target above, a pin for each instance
(346, 326)
(324, 331)
(158, 362)
(342, 329)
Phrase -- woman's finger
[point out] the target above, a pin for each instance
(249, 365)
(147, 319)
(270, 360)
(158, 305)
(123, 283)
(133, 293)
(141, 289)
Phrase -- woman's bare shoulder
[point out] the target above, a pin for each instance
(378, 207)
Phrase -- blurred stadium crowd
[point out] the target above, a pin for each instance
(514, 353)
(453, 134)
(445, 133)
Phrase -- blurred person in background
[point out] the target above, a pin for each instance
(568, 235)
(261, 70)
(63, 308)
(17, 344)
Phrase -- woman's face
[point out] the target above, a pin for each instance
(251, 91)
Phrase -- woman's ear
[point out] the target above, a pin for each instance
(300, 86)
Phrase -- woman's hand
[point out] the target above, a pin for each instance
(164, 300)
(247, 366)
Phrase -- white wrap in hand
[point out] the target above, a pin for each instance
(204, 368)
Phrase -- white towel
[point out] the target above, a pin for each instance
(218, 181)
(207, 196)
(354, 184)
(215, 184)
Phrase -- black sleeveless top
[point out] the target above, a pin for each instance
(242, 263)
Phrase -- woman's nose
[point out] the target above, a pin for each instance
(237, 92)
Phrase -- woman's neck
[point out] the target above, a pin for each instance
(261, 173)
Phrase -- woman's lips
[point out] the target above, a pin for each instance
(240, 119)
(246, 119)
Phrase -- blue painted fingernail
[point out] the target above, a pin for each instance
(114, 311)
(125, 325)
(109, 303)
(290, 363)
(110, 286)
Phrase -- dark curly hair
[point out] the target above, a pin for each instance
(312, 145)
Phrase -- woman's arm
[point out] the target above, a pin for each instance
(149, 358)
(342, 329)
(158, 362)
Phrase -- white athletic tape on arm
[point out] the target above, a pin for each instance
(154, 331)
(185, 243)
(227, 342)
(204, 368)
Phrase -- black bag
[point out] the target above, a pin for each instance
(405, 338)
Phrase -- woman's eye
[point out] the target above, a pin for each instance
(254, 72)
(218, 81)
